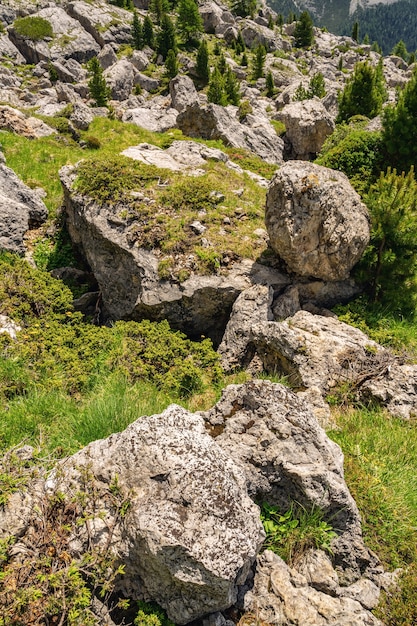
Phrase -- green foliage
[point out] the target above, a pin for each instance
(166, 38)
(389, 265)
(316, 88)
(171, 64)
(159, 8)
(270, 86)
(357, 153)
(99, 91)
(33, 27)
(399, 125)
(259, 62)
(303, 33)
(231, 87)
(245, 108)
(189, 194)
(243, 8)
(202, 62)
(292, 533)
(355, 31)
(216, 91)
(111, 179)
(151, 614)
(364, 93)
(137, 32)
(398, 606)
(189, 22)
(148, 32)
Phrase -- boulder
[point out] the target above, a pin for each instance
(216, 122)
(215, 16)
(191, 532)
(181, 155)
(281, 596)
(156, 119)
(107, 57)
(316, 221)
(69, 71)
(318, 351)
(120, 77)
(394, 387)
(9, 327)
(9, 51)
(254, 35)
(183, 93)
(16, 122)
(307, 125)
(81, 116)
(70, 40)
(20, 210)
(106, 24)
(287, 457)
(128, 274)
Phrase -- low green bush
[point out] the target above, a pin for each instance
(33, 27)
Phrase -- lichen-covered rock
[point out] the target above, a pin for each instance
(287, 457)
(281, 596)
(17, 122)
(107, 24)
(307, 124)
(183, 92)
(191, 532)
(216, 122)
(20, 210)
(316, 221)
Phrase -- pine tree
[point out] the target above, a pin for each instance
(270, 87)
(99, 91)
(231, 87)
(259, 62)
(355, 31)
(158, 8)
(166, 39)
(366, 40)
(280, 21)
(400, 50)
(240, 44)
(244, 60)
(221, 64)
(189, 22)
(202, 62)
(400, 128)
(363, 93)
(171, 64)
(216, 92)
(243, 8)
(317, 86)
(303, 33)
(137, 32)
(148, 34)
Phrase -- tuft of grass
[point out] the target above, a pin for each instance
(380, 469)
(33, 27)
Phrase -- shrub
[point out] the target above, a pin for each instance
(303, 33)
(33, 27)
(93, 143)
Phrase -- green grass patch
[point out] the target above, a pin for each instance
(380, 470)
(33, 27)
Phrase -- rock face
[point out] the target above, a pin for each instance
(316, 221)
(128, 275)
(316, 351)
(217, 122)
(271, 433)
(281, 596)
(191, 532)
(19, 123)
(307, 125)
(20, 210)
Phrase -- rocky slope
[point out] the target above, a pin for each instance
(174, 498)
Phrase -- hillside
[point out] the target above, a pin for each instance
(208, 291)
(384, 22)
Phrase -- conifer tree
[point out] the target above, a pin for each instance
(355, 31)
(216, 92)
(202, 62)
(244, 60)
(243, 8)
(158, 8)
(259, 62)
(148, 34)
(400, 128)
(400, 50)
(137, 32)
(363, 93)
(97, 83)
(231, 87)
(270, 87)
(240, 44)
(221, 64)
(189, 22)
(166, 39)
(303, 33)
(171, 64)
(280, 21)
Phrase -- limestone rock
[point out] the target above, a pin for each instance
(316, 221)
(107, 57)
(120, 77)
(317, 351)
(307, 125)
(282, 597)
(183, 93)
(9, 326)
(191, 532)
(16, 122)
(70, 40)
(106, 24)
(394, 387)
(20, 210)
(286, 456)
(81, 116)
(217, 122)
(215, 16)
(157, 119)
